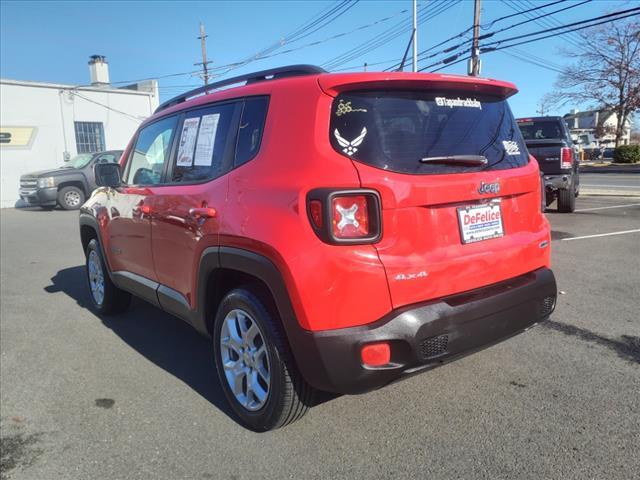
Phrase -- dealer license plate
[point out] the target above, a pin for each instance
(480, 222)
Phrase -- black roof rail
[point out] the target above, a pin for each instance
(280, 72)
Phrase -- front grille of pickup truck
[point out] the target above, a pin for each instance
(28, 182)
(434, 346)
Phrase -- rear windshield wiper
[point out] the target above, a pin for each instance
(479, 160)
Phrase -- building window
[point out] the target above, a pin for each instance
(89, 137)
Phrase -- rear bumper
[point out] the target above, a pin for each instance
(424, 336)
(557, 182)
(40, 197)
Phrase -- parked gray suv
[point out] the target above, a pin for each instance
(67, 186)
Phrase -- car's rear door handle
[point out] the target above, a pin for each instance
(203, 212)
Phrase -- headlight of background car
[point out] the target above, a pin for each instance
(46, 182)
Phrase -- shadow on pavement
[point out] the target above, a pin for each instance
(162, 338)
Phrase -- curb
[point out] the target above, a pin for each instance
(590, 169)
(608, 193)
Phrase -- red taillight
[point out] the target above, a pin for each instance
(345, 216)
(315, 211)
(375, 354)
(566, 158)
(350, 217)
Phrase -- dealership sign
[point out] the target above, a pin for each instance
(16, 136)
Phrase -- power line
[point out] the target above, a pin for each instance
(327, 39)
(552, 20)
(384, 37)
(454, 59)
(308, 23)
(540, 7)
(133, 117)
(349, 6)
(533, 19)
(490, 49)
(491, 34)
(553, 29)
(531, 61)
(484, 27)
(390, 34)
(300, 33)
(352, 53)
(488, 46)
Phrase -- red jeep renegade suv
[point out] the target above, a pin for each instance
(330, 232)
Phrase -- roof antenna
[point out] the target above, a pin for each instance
(406, 52)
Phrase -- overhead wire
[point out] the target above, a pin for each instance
(327, 19)
(454, 59)
(552, 20)
(383, 38)
(491, 34)
(108, 107)
(385, 35)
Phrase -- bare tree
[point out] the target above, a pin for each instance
(605, 72)
(545, 104)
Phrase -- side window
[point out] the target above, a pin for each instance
(152, 150)
(251, 127)
(107, 158)
(206, 139)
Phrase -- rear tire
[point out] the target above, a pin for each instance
(567, 200)
(255, 366)
(105, 296)
(70, 198)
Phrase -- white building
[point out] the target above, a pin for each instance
(596, 128)
(44, 124)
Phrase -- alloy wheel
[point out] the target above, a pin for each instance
(245, 360)
(96, 277)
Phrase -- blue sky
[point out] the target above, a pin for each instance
(52, 41)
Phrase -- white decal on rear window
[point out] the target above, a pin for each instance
(458, 102)
(345, 107)
(511, 147)
(349, 147)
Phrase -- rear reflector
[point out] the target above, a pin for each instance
(376, 354)
(566, 157)
(315, 211)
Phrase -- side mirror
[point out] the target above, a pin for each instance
(107, 174)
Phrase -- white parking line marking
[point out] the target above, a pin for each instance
(611, 206)
(602, 235)
(608, 186)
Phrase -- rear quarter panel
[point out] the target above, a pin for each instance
(330, 286)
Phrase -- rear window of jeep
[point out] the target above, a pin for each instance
(397, 130)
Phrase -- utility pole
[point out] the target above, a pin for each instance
(204, 63)
(474, 61)
(415, 35)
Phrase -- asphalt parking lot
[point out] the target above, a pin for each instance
(136, 396)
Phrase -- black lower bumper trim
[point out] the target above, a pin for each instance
(426, 335)
(42, 197)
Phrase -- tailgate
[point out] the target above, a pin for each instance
(547, 153)
(422, 247)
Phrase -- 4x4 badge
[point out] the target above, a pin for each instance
(349, 147)
(489, 187)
